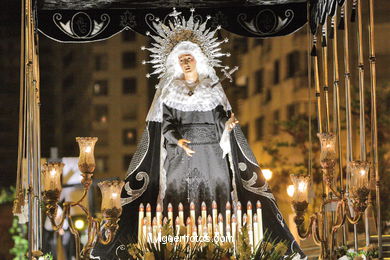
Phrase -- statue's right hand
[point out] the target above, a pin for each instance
(183, 144)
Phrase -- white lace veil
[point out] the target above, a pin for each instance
(174, 71)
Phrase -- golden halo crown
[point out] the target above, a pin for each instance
(179, 29)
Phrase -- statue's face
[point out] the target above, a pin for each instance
(187, 63)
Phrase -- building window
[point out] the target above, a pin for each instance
(126, 161)
(259, 128)
(100, 62)
(129, 136)
(128, 60)
(292, 110)
(293, 64)
(101, 164)
(259, 81)
(268, 95)
(276, 72)
(100, 88)
(275, 128)
(129, 111)
(129, 86)
(100, 113)
(128, 36)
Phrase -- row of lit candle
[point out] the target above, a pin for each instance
(214, 225)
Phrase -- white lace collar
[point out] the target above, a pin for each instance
(175, 95)
(204, 97)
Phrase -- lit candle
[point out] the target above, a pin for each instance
(214, 213)
(200, 226)
(194, 231)
(170, 214)
(204, 213)
(88, 149)
(86, 158)
(189, 226)
(249, 213)
(149, 213)
(141, 214)
(239, 216)
(234, 227)
(51, 173)
(165, 221)
(111, 203)
(177, 226)
(259, 220)
(255, 230)
(300, 182)
(192, 212)
(228, 234)
(228, 213)
(359, 182)
(150, 233)
(209, 225)
(205, 231)
(144, 229)
(154, 229)
(220, 224)
(181, 214)
(159, 214)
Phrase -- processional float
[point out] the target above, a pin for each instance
(328, 20)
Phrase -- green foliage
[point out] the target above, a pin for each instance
(7, 195)
(18, 233)
(370, 252)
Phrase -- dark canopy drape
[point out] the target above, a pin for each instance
(93, 20)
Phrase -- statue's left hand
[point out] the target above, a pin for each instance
(231, 123)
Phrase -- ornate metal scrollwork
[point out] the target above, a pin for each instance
(81, 26)
(266, 22)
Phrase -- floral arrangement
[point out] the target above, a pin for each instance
(266, 249)
(369, 252)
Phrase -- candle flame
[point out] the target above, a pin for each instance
(88, 149)
(302, 186)
(53, 172)
(362, 172)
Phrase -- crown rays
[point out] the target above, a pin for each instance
(178, 30)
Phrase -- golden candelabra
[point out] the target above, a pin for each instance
(99, 230)
(349, 207)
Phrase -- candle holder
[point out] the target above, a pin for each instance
(99, 230)
(86, 158)
(111, 207)
(358, 184)
(328, 155)
(51, 173)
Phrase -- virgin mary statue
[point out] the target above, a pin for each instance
(192, 150)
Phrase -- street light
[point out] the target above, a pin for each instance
(267, 173)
